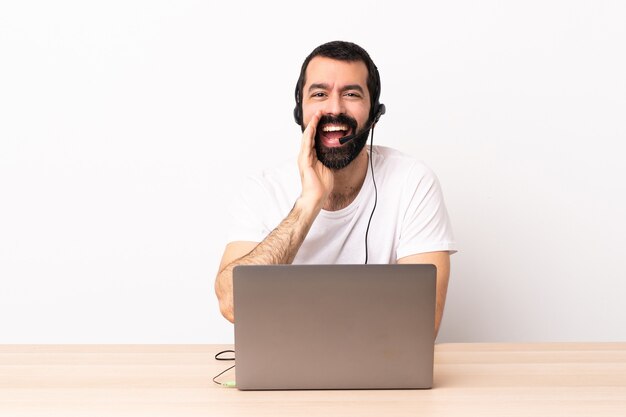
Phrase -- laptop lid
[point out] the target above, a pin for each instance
(334, 326)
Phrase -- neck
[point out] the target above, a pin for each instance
(348, 182)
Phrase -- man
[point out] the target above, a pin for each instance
(326, 214)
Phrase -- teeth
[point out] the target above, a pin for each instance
(334, 128)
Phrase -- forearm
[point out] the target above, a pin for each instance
(279, 247)
(283, 243)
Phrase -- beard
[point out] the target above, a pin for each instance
(339, 157)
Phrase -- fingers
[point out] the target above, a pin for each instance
(306, 156)
(308, 136)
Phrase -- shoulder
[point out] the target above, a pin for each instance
(400, 165)
(279, 175)
(276, 185)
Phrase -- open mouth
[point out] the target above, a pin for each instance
(330, 133)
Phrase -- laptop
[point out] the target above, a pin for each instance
(334, 326)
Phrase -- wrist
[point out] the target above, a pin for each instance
(307, 208)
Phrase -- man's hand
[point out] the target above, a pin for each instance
(317, 179)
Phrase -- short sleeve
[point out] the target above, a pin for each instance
(246, 213)
(425, 226)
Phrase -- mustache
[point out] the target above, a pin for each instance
(343, 119)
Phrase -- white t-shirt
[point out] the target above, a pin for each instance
(410, 215)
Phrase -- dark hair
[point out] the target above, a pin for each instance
(342, 51)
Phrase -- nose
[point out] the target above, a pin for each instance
(334, 105)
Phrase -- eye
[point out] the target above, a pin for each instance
(353, 94)
(318, 94)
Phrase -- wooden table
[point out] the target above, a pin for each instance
(553, 379)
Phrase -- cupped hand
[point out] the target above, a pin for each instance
(317, 179)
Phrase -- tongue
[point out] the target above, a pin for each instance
(336, 135)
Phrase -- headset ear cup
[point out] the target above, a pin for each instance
(297, 115)
(381, 110)
(297, 111)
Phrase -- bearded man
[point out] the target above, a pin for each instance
(347, 203)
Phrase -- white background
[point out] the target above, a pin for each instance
(125, 125)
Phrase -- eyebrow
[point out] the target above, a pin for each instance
(348, 87)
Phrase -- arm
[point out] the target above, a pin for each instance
(442, 261)
(279, 247)
(282, 244)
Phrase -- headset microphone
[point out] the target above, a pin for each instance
(381, 111)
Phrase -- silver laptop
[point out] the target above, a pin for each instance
(334, 326)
